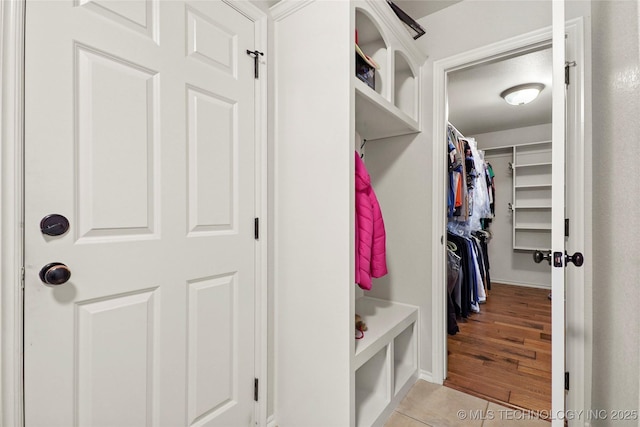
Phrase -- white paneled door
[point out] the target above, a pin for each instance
(139, 129)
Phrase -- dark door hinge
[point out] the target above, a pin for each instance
(255, 389)
(566, 381)
(566, 227)
(256, 228)
(256, 54)
(566, 71)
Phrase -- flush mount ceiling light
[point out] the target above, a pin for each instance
(522, 94)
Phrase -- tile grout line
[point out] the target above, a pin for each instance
(486, 409)
(415, 419)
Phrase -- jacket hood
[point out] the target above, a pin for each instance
(363, 180)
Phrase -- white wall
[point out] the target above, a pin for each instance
(616, 207)
(513, 136)
(402, 170)
(509, 266)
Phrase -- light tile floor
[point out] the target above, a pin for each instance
(434, 405)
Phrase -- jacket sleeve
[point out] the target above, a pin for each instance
(364, 241)
(357, 250)
(378, 247)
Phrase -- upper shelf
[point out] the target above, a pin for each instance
(388, 105)
(377, 118)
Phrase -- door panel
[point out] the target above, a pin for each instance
(116, 346)
(117, 111)
(139, 128)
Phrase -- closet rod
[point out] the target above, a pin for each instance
(454, 128)
(504, 147)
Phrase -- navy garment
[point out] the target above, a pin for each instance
(485, 257)
(453, 274)
(463, 250)
(479, 258)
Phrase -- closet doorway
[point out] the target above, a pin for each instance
(499, 196)
(571, 337)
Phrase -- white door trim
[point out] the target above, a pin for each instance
(439, 222)
(558, 184)
(580, 312)
(578, 208)
(11, 211)
(261, 205)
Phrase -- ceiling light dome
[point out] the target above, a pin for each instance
(522, 94)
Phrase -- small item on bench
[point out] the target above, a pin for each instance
(360, 327)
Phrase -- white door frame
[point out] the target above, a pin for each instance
(579, 312)
(12, 211)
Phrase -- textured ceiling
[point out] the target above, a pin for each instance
(475, 105)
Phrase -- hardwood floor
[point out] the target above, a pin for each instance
(503, 353)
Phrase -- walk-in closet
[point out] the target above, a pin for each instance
(499, 215)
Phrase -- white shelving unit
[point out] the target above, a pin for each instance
(385, 320)
(386, 111)
(381, 380)
(324, 375)
(531, 200)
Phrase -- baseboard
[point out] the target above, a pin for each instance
(526, 285)
(426, 376)
(271, 421)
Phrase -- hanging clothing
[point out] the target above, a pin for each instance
(470, 196)
(370, 243)
(453, 276)
(462, 294)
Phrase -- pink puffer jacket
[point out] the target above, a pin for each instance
(371, 257)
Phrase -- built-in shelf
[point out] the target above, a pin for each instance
(386, 359)
(531, 165)
(386, 106)
(527, 248)
(372, 388)
(405, 364)
(531, 207)
(532, 186)
(378, 118)
(385, 320)
(390, 107)
(533, 227)
(405, 86)
(536, 238)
